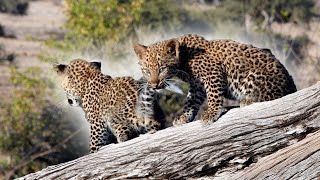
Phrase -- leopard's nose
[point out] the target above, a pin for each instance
(154, 85)
(70, 101)
(153, 79)
(161, 85)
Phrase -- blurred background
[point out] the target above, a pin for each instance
(38, 128)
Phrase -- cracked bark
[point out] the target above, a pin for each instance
(244, 143)
(298, 161)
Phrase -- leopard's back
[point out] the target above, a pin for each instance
(252, 70)
(247, 69)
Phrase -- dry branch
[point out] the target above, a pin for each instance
(248, 137)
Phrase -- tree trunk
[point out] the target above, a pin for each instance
(244, 143)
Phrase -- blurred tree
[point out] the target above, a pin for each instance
(277, 10)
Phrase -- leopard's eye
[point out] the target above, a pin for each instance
(162, 68)
(146, 72)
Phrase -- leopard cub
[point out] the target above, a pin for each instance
(214, 69)
(119, 106)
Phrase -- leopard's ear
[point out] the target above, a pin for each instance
(59, 68)
(140, 50)
(172, 48)
(96, 65)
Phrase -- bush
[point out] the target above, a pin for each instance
(32, 129)
(98, 19)
(14, 6)
(94, 22)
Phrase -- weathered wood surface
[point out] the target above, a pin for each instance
(237, 140)
(298, 161)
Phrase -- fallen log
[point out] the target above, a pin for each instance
(298, 161)
(244, 143)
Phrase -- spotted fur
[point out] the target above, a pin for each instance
(110, 104)
(215, 69)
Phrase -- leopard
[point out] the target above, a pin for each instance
(215, 70)
(117, 108)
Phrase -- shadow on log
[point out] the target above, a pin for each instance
(244, 143)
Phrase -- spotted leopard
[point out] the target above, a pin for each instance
(119, 106)
(214, 69)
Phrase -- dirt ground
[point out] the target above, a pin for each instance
(25, 36)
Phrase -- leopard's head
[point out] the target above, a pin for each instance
(158, 61)
(74, 78)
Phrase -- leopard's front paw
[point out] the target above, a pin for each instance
(152, 125)
(151, 131)
(208, 117)
(122, 137)
(182, 119)
(93, 149)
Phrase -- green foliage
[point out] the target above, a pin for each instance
(52, 58)
(106, 23)
(294, 10)
(94, 22)
(99, 19)
(162, 15)
(31, 125)
(22, 113)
